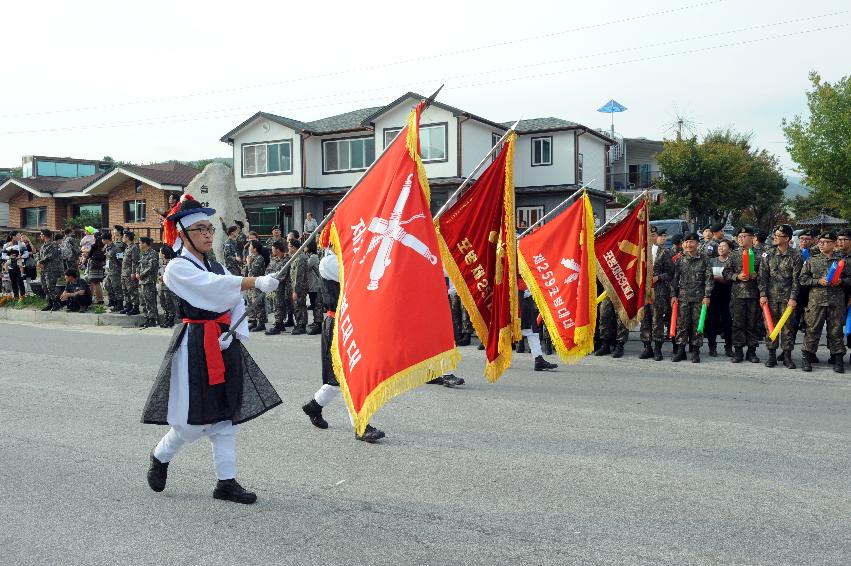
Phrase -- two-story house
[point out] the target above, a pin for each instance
(285, 168)
(634, 167)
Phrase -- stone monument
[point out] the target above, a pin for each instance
(215, 187)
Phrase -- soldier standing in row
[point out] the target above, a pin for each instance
(779, 270)
(70, 249)
(49, 260)
(149, 266)
(298, 283)
(690, 289)
(168, 300)
(808, 248)
(110, 270)
(233, 252)
(827, 304)
(276, 263)
(314, 287)
(256, 267)
(658, 312)
(718, 320)
(129, 266)
(276, 237)
(613, 332)
(744, 299)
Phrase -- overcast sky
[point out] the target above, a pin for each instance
(151, 81)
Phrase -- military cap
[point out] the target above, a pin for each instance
(827, 235)
(845, 233)
(808, 232)
(662, 232)
(744, 230)
(677, 239)
(785, 228)
(692, 236)
(717, 227)
(708, 227)
(146, 240)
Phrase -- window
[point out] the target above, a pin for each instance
(62, 169)
(134, 211)
(138, 186)
(34, 217)
(542, 151)
(528, 215)
(355, 154)
(495, 140)
(96, 214)
(432, 140)
(267, 158)
(579, 176)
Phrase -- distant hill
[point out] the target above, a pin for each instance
(795, 188)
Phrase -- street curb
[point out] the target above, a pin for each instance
(73, 318)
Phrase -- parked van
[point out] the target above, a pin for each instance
(674, 226)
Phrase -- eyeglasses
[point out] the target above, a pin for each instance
(203, 230)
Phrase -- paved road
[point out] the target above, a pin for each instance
(607, 462)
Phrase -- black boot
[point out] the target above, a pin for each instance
(787, 359)
(56, 305)
(647, 353)
(679, 353)
(230, 490)
(617, 352)
(314, 411)
(451, 380)
(713, 350)
(772, 359)
(251, 325)
(157, 474)
(751, 355)
(839, 363)
(276, 329)
(542, 365)
(259, 327)
(657, 351)
(314, 329)
(48, 306)
(370, 435)
(521, 346)
(738, 357)
(464, 340)
(603, 350)
(695, 356)
(813, 358)
(299, 330)
(728, 350)
(805, 362)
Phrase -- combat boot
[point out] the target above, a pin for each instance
(451, 380)
(314, 329)
(772, 359)
(521, 346)
(713, 349)
(647, 353)
(299, 330)
(738, 356)
(543, 365)
(48, 306)
(679, 353)
(751, 355)
(276, 329)
(314, 411)
(787, 359)
(463, 340)
(370, 435)
(695, 356)
(56, 306)
(157, 474)
(230, 490)
(603, 350)
(728, 350)
(839, 363)
(657, 351)
(806, 365)
(259, 327)
(618, 350)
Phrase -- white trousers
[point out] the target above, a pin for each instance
(326, 394)
(222, 436)
(534, 341)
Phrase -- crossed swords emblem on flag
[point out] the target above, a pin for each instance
(388, 232)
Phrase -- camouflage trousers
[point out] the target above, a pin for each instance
(611, 328)
(317, 308)
(148, 300)
(817, 317)
(656, 316)
(130, 289)
(461, 323)
(168, 303)
(114, 291)
(300, 310)
(787, 335)
(687, 319)
(48, 279)
(746, 315)
(256, 306)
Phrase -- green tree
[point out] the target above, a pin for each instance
(821, 145)
(83, 220)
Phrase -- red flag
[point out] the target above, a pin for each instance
(623, 264)
(557, 263)
(478, 246)
(393, 327)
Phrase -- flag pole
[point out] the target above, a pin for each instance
(280, 274)
(578, 192)
(609, 221)
(451, 200)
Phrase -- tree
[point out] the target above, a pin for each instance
(84, 219)
(821, 146)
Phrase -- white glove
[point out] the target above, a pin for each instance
(267, 283)
(225, 341)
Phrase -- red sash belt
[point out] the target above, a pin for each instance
(215, 361)
(331, 314)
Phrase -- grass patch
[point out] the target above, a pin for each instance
(31, 301)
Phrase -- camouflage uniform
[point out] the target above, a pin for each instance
(826, 305)
(149, 264)
(744, 302)
(314, 291)
(232, 257)
(612, 330)
(114, 253)
(52, 269)
(256, 298)
(298, 282)
(269, 241)
(778, 282)
(692, 282)
(129, 266)
(70, 249)
(276, 296)
(658, 313)
(167, 299)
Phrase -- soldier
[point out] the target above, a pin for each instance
(256, 267)
(129, 268)
(658, 312)
(807, 246)
(314, 287)
(108, 282)
(233, 252)
(276, 237)
(691, 288)
(149, 266)
(744, 299)
(718, 236)
(718, 315)
(168, 300)
(827, 303)
(298, 282)
(779, 270)
(276, 263)
(114, 259)
(49, 260)
(705, 240)
(70, 248)
(613, 333)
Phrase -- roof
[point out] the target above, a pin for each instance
(52, 186)
(540, 125)
(823, 220)
(169, 173)
(348, 121)
(413, 95)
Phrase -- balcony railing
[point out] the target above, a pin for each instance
(633, 181)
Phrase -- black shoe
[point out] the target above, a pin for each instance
(787, 360)
(259, 327)
(713, 350)
(117, 309)
(251, 324)
(728, 350)
(521, 346)
(299, 330)
(157, 474)
(812, 357)
(48, 306)
(314, 329)
(738, 357)
(230, 490)
(542, 365)
(751, 355)
(289, 322)
(276, 329)
(464, 340)
(805, 362)
(695, 356)
(482, 346)
(679, 353)
(370, 435)
(73, 308)
(657, 352)
(839, 363)
(618, 351)
(603, 350)
(451, 380)
(56, 306)
(647, 353)
(145, 324)
(314, 411)
(772, 359)
(436, 381)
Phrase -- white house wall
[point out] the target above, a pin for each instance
(255, 133)
(559, 173)
(316, 179)
(593, 152)
(398, 118)
(475, 142)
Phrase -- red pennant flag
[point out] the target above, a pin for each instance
(478, 246)
(623, 265)
(393, 327)
(557, 263)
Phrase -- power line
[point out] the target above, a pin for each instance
(376, 66)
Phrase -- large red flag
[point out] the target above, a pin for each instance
(393, 327)
(623, 267)
(478, 247)
(557, 264)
